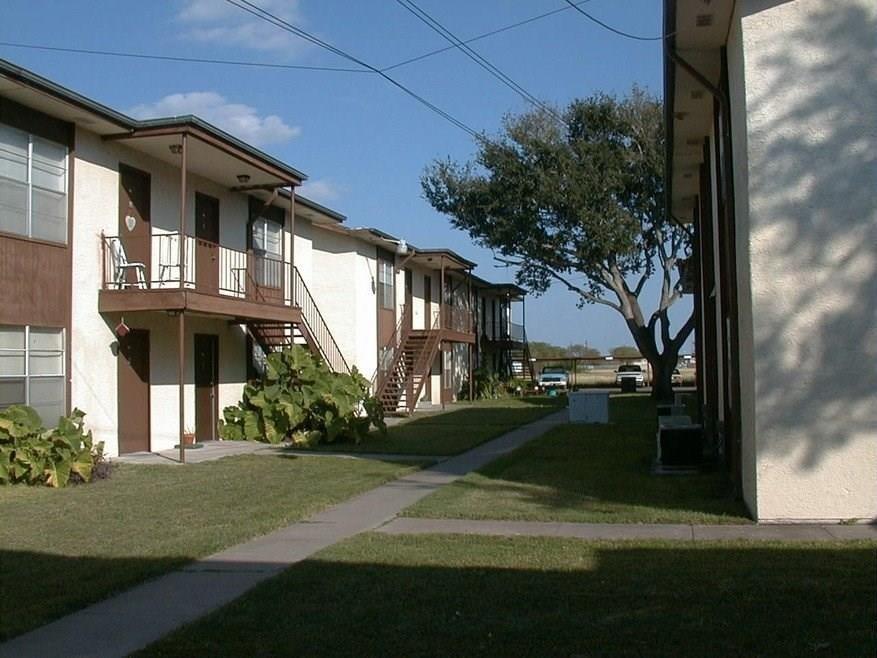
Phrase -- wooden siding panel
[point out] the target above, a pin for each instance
(36, 283)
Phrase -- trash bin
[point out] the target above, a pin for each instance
(589, 407)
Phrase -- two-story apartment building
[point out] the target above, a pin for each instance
(770, 112)
(502, 339)
(150, 265)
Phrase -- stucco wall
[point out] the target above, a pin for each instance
(807, 217)
(93, 362)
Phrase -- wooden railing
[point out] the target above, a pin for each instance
(458, 318)
(316, 324)
(237, 274)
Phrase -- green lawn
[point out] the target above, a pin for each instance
(587, 473)
(61, 549)
(378, 595)
(465, 426)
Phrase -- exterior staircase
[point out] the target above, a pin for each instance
(520, 364)
(400, 386)
(312, 331)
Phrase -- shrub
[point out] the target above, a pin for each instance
(300, 398)
(488, 385)
(32, 454)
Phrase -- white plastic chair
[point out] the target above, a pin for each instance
(121, 266)
(169, 258)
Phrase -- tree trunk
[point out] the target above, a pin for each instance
(662, 372)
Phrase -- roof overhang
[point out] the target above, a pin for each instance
(698, 31)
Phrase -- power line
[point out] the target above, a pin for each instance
(268, 17)
(424, 17)
(613, 29)
(269, 65)
(172, 58)
(478, 37)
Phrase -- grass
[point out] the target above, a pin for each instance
(452, 432)
(62, 549)
(587, 473)
(486, 596)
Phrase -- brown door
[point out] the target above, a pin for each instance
(206, 380)
(133, 404)
(134, 223)
(207, 243)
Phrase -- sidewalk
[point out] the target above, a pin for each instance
(638, 531)
(136, 618)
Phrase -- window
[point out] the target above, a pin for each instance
(268, 252)
(386, 290)
(33, 186)
(32, 370)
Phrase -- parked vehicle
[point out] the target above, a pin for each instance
(676, 377)
(554, 378)
(630, 371)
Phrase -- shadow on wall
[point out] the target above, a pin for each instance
(813, 216)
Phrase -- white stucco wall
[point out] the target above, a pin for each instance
(93, 363)
(807, 225)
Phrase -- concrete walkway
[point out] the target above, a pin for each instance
(620, 531)
(148, 612)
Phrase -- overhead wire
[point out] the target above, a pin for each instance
(483, 62)
(268, 17)
(622, 33)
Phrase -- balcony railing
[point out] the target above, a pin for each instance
(153, 263)
(458, 318)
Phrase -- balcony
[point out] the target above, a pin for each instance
(508, 335)
(144, 274)
(458, 323)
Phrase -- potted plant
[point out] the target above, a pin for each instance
(189, 436)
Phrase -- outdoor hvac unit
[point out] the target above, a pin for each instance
(588, 407)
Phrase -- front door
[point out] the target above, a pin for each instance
(135, 230)
(133, 402)
(207, 243)
(206, 380)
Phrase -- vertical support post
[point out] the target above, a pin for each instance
(441, 322)
(181, 321)
(471, 315)
(181, 370)
(291, 240)
(103, 260)
(471, 374)
(182, 241)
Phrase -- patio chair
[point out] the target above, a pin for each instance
(169, 258)
(121, 267)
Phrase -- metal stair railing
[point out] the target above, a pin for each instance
(423, 365)
(316, 325)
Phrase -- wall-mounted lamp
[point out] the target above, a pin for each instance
(243, 179)
(402, 248)
(176, 149)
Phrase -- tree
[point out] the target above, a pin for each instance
(582, 351)
(579, 203)
(541, 350)
(625, 352)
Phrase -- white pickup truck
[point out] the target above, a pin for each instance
(553, 378)
(630, 371)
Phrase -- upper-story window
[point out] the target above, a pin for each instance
(33, 186)
(386, 274)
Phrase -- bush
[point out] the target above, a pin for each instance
(32, 454)
(300, 398)
(488, 385)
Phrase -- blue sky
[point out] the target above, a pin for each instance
(362, 142)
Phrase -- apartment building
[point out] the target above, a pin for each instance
(770, 108)
(151, 265)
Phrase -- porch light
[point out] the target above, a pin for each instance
(176, 149)
(243, 179)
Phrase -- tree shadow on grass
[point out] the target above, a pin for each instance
(450, 596)
(36, 588)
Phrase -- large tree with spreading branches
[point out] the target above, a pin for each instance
(577, 198)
